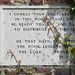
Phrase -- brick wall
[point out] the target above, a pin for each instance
(38, 70)
(34, 2)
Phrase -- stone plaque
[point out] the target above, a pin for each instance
(26, 35)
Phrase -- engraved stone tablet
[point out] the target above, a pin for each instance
(26, 35)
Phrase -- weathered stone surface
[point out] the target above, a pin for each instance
(27, 36)
(50, 1)
(2, 72)
(24, 1)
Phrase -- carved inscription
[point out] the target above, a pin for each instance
(25, 33)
